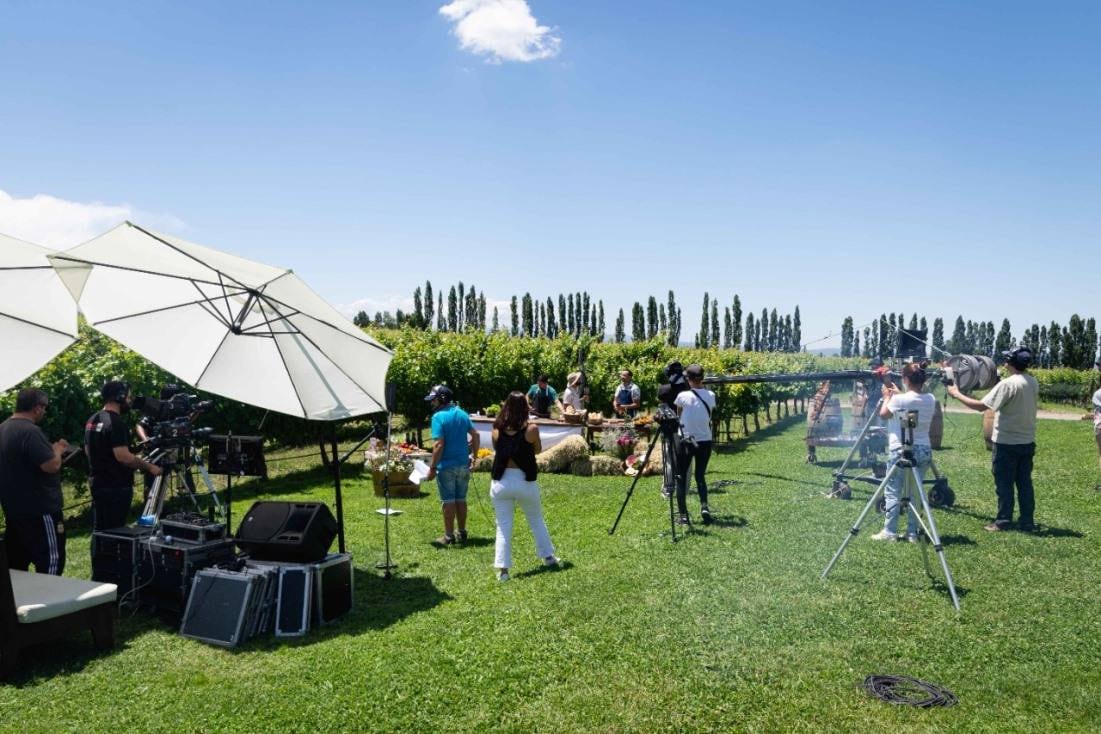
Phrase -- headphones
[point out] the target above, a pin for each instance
(1019, 357)
(115, 391)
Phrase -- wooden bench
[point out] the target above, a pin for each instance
(36, 608)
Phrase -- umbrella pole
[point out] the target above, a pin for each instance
(339, 495)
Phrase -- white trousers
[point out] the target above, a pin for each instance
(507, 492)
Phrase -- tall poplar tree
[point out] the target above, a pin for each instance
(736, 322)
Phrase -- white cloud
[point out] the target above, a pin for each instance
(51, 222)
(503, 30)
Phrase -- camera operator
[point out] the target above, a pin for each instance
(1013, 401)
(694, 406)
(30, 487)
(111, 464)
(898, 406)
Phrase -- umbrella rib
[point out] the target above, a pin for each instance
(225, 296)
(138, 270)
(213, 354)
(36, 325)
(283, 359)
(186, 254)
(326, 323)
(201, 302)
(337, 366)
(269, 322)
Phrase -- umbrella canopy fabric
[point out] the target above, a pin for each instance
(233, 327)
(37, 314)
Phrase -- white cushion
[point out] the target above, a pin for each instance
(40, 596)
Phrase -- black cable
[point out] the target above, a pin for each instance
(902, 690)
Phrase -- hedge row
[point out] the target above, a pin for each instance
(483, 368)
(1064, 385)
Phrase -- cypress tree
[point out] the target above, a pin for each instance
(938, 335)
(663, 321)
(1003, 341)
(713, 341)
(796, 332)
(638, 323)
(418, 308)
(748, 332)
(736, 322)
(461, 303)
(727, 335)
(674, 323)
(600, 332)
(705, 323)
(429, 304)
(651, 318)
(452, 310)
(440, 326)
(1055, 345)
(620, 335)
(496, 321)
(515, 318)
(773, 332)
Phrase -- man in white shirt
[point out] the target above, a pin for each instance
(695, 406)
(1014, 402)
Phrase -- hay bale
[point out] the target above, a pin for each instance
(605, 466)
(654, 465)
(582, 467)
(558, 458)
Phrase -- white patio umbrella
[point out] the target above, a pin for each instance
(233, 327)
(37, 314)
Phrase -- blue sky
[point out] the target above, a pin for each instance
(851, 158)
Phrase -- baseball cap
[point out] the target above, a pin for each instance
(439, 392)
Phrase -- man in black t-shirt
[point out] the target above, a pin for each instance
(30, 488)
(111, 465)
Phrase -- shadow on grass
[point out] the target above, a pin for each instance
(1050, 532)
(471, 542)
(773, 429)
(956, 540)
(728, 521)
(73, 653)
(562, 566)
(784, 479)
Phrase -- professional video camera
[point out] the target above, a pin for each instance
(167, 421)
(675, 383)
(173, 403)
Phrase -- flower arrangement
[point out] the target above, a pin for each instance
(619, 442)
(399, 462)
(484, 452)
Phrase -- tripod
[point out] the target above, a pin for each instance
(175, 472)
(911, 487)
(668, 428)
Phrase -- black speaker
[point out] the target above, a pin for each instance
(287, 531)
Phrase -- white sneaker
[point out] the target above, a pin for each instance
(912, 538)
(502, 574)
(884, 535)
(551, 561)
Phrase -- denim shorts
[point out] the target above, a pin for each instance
(452, 483)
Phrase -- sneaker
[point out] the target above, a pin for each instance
(884, 535)
(705, 513)
(444, 540)
(502, 574)
(463, 535)
(911, 537)
(994, 528)
(682, 520)
(551, 561)
(666, 494)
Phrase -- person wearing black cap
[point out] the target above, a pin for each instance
(452, 459)
(111, 464)
(30, 487)
(694, 405)
(1013, 401)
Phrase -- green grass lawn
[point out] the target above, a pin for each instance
(729, 629)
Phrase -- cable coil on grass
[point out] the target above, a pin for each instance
(902, 690)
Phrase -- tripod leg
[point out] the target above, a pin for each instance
(153, 501)
(630, 491)
(912, 512)
(934, 536)
(863, 513)
(669, 459)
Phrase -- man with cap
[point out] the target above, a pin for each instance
(694, 406)
(452, 459)
(111, 464)
(1013, 401)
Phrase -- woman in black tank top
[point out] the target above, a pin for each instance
(515, 443)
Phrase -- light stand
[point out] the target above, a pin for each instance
(911, 486)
